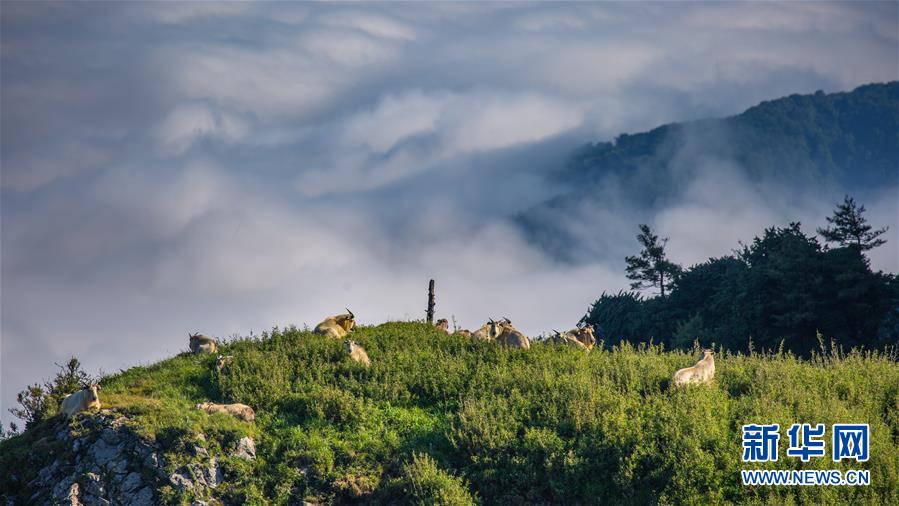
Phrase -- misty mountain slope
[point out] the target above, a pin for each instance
(440, 419)
(796, 146)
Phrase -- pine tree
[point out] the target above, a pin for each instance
(849, 228)
(651, 268)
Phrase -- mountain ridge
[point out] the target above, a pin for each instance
(846, 141)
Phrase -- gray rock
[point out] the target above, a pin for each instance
(93, 485)
(199, 451)
(119, 466)
(131, 482)
(110, 436)
(246, 449)
(103, 453)
(44, 474)
(63, 489)
(213, 473)
(143, 497)
(153, 461)
(181, 479)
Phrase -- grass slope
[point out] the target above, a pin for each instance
(444, 420)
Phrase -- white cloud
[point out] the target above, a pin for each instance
(370, 23)
(188, 123)
(408, 134)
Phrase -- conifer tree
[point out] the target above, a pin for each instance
(651, 267)
(849, 228)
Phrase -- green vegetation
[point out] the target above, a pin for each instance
(442, 419)
(780, 290)
(40, 402)
(849, 228)
(798, 144)
(847, 138)
(651, 268)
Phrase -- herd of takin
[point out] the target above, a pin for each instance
(340, 326)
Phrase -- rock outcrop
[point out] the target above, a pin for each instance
(104, 462)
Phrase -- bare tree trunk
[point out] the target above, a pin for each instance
(431, 303)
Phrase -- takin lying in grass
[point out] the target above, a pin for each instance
(236, 410)
(442, 325)
(581, 338)
(82, 400)
(463, 333)
(356, 352)
(202, 344)
(701, 373)
(337, 326)
(510, 336)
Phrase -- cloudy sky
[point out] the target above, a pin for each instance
(228, 167)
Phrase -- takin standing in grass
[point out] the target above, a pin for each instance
(202, 344)
(223, 361)
(510, 336)
(442, 325)
(236, 410)
(356, 352)
(82, 400)
(701, 373)
(337, 326)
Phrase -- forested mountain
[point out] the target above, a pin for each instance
(848, 137)
(783, 286)
(848, 141)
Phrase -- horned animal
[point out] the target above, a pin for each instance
(463, 333)
(567, 339)
(584, 335)
(442, 325)
(82, 400)
(337, 326)
(510, 336)
(356, 352)
(202, 344)
(236, 410)
(701, 373)
(488, 331)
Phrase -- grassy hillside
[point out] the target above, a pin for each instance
(442, 419)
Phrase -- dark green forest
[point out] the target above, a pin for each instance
(782, 289)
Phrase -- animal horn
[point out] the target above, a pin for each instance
(507, 319)
(490, 320)
(350, 312)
